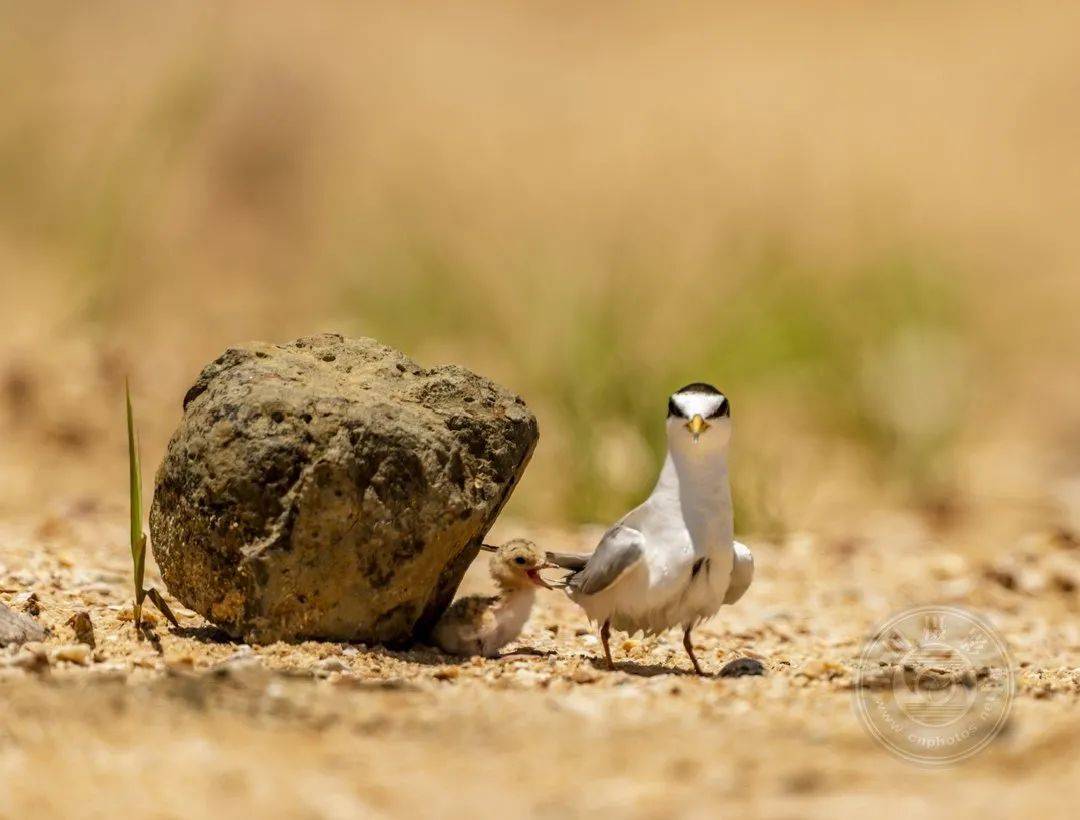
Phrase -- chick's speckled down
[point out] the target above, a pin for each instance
(482, 625)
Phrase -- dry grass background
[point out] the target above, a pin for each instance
(858, 219)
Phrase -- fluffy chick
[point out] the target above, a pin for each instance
(482, 625)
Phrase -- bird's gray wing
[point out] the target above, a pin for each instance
(742, 573)
(619, 551)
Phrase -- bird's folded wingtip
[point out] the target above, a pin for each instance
(569, 561)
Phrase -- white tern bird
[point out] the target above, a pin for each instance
(673, 561)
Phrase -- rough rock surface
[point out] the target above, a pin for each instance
(332, 488)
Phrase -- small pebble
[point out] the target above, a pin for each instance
(584, 675)
(78, 653)
(32, 658)
(128, 614)
(948, 565)
(83, 628)
(820, 669)
(28, 602)
(741, 667)
(331, 665)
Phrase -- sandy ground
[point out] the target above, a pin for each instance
(209, 727)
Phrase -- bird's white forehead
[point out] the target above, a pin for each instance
(698, 404)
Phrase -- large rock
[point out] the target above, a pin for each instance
(332, 488)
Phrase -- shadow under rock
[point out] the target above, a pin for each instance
(204, 634)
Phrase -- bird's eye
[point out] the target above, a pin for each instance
(723, 409)
(520, 560)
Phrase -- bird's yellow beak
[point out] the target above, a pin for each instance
(697, 425)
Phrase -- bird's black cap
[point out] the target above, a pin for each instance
(699, 387)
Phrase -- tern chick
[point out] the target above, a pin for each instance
(482, 625)
(673, 561)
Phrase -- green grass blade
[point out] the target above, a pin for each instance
(138, 539)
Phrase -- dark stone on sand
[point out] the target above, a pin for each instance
(332, 488)
(741, 667)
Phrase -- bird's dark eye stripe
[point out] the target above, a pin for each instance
(723, 410)
(674, 410)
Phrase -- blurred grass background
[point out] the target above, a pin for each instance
(859, 220)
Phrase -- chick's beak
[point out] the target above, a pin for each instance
(534, 576)
(697, 425)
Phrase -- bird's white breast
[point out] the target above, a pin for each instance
(688, 555)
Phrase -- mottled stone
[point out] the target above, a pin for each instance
(741, 667)
(332, 488)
